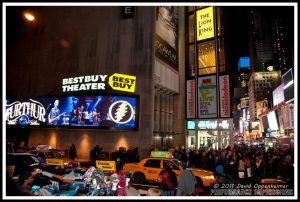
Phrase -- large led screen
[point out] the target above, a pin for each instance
(104, 111)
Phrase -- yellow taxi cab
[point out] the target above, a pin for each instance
(50, 157)
(148, 169)
(271, 181)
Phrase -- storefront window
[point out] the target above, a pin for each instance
(207, 58)
(191, 60)
(191, 33)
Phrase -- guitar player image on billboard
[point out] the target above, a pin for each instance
(54, 114)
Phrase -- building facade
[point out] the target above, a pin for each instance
(67, 42)
(208, 102)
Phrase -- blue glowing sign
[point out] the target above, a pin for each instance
(191, 125)
(244, 62)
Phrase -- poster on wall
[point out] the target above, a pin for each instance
(224, 96)
(207, 97)
(166, 40)
(190, 103)
(95, 111)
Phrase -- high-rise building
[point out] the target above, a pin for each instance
(261, 86)
(271, 38)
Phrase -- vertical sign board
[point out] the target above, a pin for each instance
(224, 96)
(278, 95)
(190, 103)
(207, 97)
(166, 40)
(205, 23)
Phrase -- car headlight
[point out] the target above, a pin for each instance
(209, 177)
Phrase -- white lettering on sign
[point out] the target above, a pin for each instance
(207, 124)
(32, 111)
(84, 83)
(217, 124)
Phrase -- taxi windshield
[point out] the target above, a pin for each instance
(176, 162)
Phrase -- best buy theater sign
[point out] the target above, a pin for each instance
(118, 82)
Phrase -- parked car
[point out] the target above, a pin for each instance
(148, 169)
(22, 162)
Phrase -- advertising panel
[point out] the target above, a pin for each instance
(166, 42)
(190, 96)
(245, 102)
(288, 82)
(116, 81)
(96, 111)
(287, 117)
(106, 166)
(261, 107)
(278, 95)
(207, 97)
(265, 123)
(272, 120)
(224, 96)
(205, 23)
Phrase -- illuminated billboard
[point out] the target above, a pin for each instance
(166, 38)
(94, 111)
(207, 97)
(205, 23)
(272, 120)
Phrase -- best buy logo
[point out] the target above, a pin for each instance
(122, 82)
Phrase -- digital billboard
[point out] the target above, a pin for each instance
(93, 111)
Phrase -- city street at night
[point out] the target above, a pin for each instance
(141, 100)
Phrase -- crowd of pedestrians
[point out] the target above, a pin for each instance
(244, 163)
